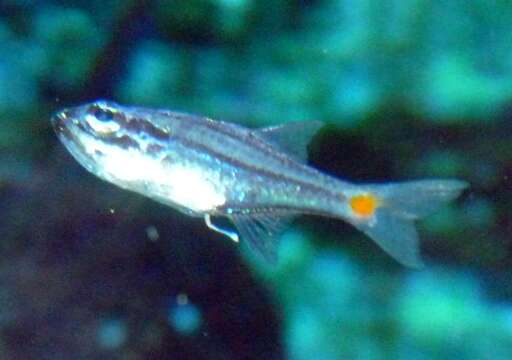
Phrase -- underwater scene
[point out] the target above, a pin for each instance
(344, 191)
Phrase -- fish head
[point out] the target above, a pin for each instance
(100, 119)
(102, 136)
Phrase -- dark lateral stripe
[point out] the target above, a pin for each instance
(248, 167)
(139, 125)
(124, 142)
(225, 128)
(144, 125)
(230, 130)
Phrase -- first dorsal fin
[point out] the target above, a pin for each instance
(292, 137)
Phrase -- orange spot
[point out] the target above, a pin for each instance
(363, 205)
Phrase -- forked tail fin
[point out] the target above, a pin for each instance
(386, 213)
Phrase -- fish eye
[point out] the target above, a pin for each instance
(103, 115)
(102, 120)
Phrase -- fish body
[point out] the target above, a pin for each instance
(258, 178)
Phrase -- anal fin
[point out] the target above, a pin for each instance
(261, 232)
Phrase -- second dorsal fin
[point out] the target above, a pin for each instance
(292, 137)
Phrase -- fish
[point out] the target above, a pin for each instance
(259, 179)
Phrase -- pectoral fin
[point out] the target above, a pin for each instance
(229, 233)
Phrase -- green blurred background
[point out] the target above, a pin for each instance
(408, 89)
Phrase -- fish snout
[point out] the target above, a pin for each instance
(63, 122)
(61, 116)
(60, 119)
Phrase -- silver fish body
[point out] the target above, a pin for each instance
(257, 178)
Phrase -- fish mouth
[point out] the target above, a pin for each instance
(60, 121)
(65, 124)
(68, 131)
